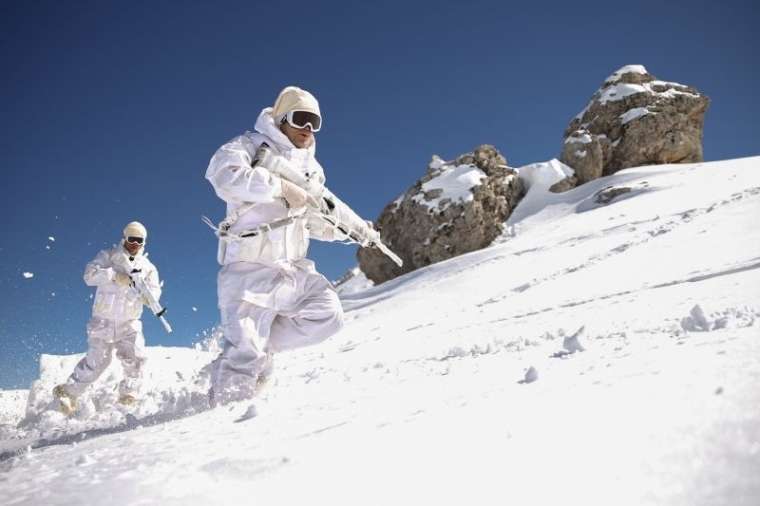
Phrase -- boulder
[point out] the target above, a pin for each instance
(634, 119)
(456, 207)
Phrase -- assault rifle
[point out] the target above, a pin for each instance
(139, 284)
(324, 205)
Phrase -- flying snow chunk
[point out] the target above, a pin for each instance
(28, 275)
(531, 375)
(573, 343)
(251, 412)
(51, 238)
(696, 321)
(84, 460)
(195, 309)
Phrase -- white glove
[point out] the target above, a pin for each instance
(295, 196)
(122, 279)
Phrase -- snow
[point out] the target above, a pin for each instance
(397, 202)
(436, 163)
(51, 238)
(607, 352)
(353, 282)
(673, 92)
(28, 275)
(172, 385)
(584, 138)
(580, 115)
(454, 184)
(620, 91)
(613, 90)
(628, 69)
(195, 309)
(12, 403)
(633, 114)
(537, 178)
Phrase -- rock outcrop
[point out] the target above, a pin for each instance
(456, 207)
(634, 119)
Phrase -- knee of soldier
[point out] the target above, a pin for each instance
(238, 333)
(332, 321)
(132, 332)
(99, 330)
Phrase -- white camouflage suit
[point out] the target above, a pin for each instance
(115, 322)
(271, 298)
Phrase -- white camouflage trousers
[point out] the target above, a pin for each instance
(103, 337)
(264, 310)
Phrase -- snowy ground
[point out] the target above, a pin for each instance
(423, 398)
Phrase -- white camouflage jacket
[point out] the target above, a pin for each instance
(113, 301)
(239, 184)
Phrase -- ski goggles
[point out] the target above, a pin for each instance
(302, 119)
(135, 240)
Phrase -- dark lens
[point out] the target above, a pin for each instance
(138, 240)
(301, 118)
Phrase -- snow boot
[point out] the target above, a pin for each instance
(67, 403)
(127, 399)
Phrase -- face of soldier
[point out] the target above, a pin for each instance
(300, 137)
(133, 244)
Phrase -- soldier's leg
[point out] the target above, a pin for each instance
(234, 372)
(100, 334)
(317, 316)
(130, 350)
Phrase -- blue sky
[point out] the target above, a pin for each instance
(110, 112)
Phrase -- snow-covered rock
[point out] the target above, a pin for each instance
(634, 119)
(456, 207)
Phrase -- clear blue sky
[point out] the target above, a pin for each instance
(110, 111)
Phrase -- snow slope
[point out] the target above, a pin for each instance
(424, 398)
